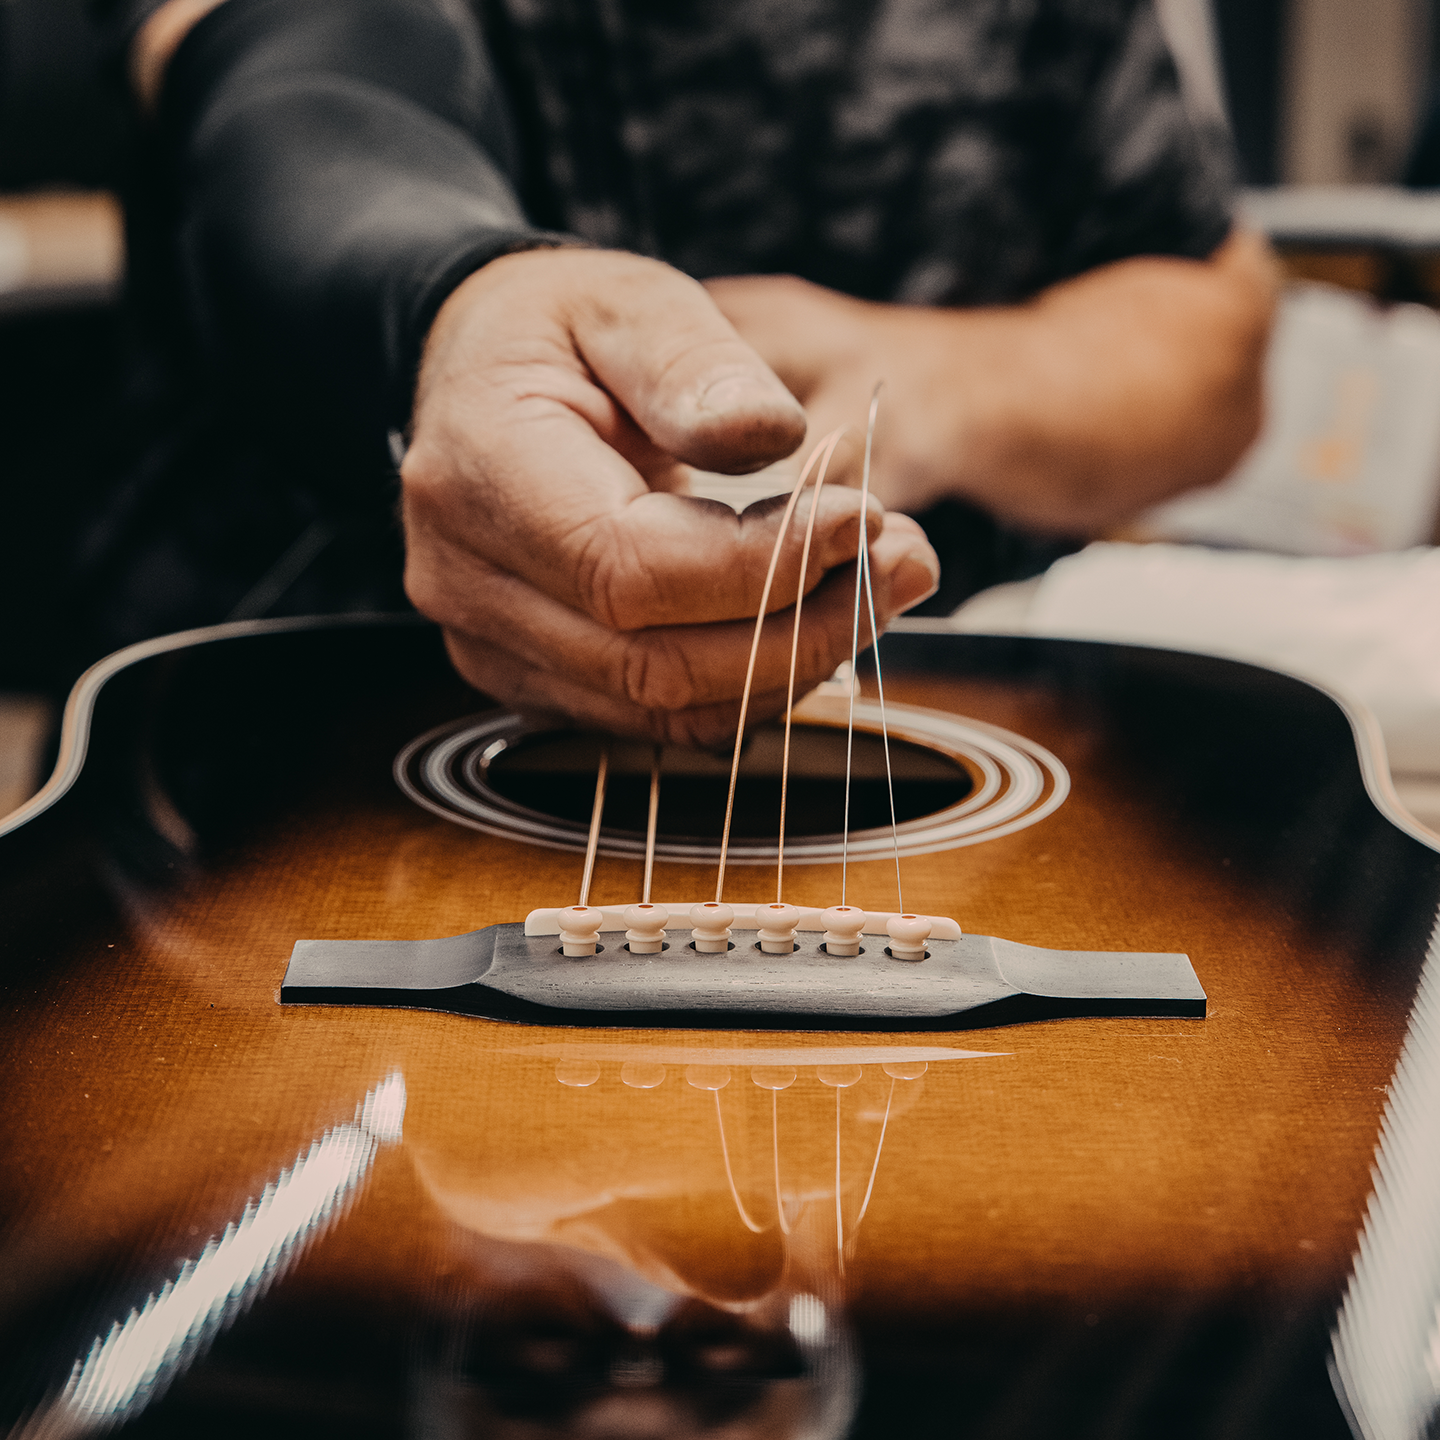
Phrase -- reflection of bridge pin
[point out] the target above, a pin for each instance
(579, 924)
(773, 1077)
(710, 927)
(777, 924)
(578, 1074)
(642, 1074)
(645, 932)
(905, 1069)
(708, 1077)
(908, 934)
(843, 924)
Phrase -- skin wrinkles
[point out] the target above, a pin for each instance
(581, 690)
(676, 685)
(621, 561)
(530, 626)
(537, 693)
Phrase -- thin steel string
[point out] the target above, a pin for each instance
(750, 667)
(860, 567)
(596, 811)
(744, 1214)
(879, 1146)
(794, 654)
(651, 823)
(884, 735)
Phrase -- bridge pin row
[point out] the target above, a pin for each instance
(710, 924)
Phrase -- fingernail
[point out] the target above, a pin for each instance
(916, 577)
(742, 391)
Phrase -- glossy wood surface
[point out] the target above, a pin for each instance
(1111, 1177)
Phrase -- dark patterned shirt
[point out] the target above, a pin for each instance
(322, 172)
(929, 151)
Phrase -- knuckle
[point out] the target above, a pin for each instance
(601, 573)
(616, 585)
(823, 647)
(658, 674)
(695, 729)
(426, 475)
(425, 591)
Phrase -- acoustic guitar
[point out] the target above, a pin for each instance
(224, 1214)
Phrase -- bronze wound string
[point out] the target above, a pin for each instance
(652, 822)
(597, 809)
(830, 445)
(780, 536)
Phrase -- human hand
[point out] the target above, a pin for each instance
(830, 349)
(561, 397)
(1069, 413)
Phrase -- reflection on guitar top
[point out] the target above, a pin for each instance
(572, 1294)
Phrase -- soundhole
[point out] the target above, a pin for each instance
(554, 774)
(957, 782)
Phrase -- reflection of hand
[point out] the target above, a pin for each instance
(1102, 395)
(553, 1342)
(546, 525)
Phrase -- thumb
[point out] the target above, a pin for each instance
(658, 344)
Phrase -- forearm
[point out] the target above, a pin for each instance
(1116, 389)
(336, 168)
(1066, 414)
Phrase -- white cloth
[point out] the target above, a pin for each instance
(1366, 626)
(1349, 460)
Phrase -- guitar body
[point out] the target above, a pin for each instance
(1118, 1226)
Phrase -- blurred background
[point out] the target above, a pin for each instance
(1334, 106)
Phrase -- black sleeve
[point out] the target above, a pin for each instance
(335, 168)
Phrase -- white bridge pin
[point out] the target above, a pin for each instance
(843, 924)
(908, 934)
(776, 927)
(579, 925)
(710, 927)
(645, 928)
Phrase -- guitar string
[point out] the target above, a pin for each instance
(775, 1146)
(875, 1168)
(860, 569)
(750, 667)
(744, 1214)
(884, 734)
(794, 655)
(839, 1213)
(596, 811)
(651, 823)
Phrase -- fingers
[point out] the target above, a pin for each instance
(547, 525)
(540, 694)
(560, 508)
(904, 568)
(663, 558)
(659, 344)
(541, 656)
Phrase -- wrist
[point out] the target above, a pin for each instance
(472, 275)
(805, 332)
